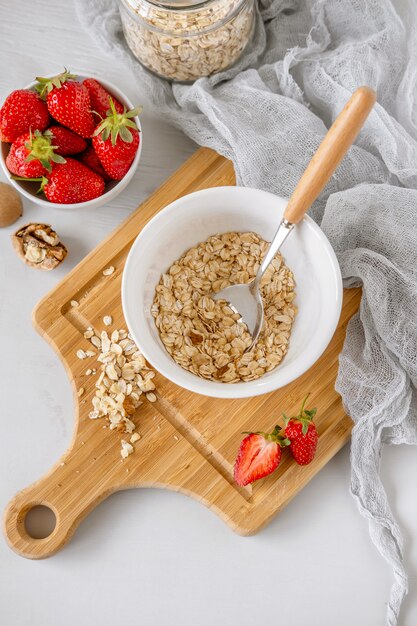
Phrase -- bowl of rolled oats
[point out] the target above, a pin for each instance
(202, 243)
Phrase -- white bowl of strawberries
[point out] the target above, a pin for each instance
(69, 141)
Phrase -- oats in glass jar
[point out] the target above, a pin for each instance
(183, 40)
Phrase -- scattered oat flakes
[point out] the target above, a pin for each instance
(126, 449)
(81, 354)
(124, 377)
(176, 438)
(81, 391)
(74, 303)
(96, 341)
(62, 464)
(108, 271)
(89, 372)
(90, 353)
(89, 333)
(108, 320)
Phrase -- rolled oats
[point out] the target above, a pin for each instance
(126, 449)
(124, 377)
(185, 44)
(203, 335)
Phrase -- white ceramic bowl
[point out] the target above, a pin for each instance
(113, 188)
(194, 218)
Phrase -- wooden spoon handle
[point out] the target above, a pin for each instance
(331, 151)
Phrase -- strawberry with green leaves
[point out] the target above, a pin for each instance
(100, 99)
(259, 455)
(68, 102)
(32, 154)
(70, 182)
(22, 111)
(302, 433)
(116, 141)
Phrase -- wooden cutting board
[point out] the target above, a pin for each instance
(189, 442)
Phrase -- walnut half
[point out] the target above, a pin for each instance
(39, 246)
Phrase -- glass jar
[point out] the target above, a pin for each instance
(183, 40)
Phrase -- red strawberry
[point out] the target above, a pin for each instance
(116, 141)
(99, 97)
(22, 111)
(68, 102)
(91, 160)
(259, 455)
(70, 182)
(32, 155)
(66, 141)
(303, 435)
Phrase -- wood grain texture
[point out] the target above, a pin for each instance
(189, 442)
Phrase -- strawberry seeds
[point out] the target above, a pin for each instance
(66, 117)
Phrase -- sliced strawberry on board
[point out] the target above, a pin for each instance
(70, 182)
(100, 99)
(32, 154)
(68, 102)
(116, 141)
(302, 433)
(22, 111)
(66, 141)
(91, 160)
(259, 455)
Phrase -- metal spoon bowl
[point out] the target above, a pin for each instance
(246, 299)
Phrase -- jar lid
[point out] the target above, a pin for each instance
(174, 5)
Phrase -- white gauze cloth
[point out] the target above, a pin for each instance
(268, 114)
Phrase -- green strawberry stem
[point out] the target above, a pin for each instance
(116, 124)
(41, 149)
(303, 404)
(275, 436)
(42, 179)
(45, 85)
(305, 416)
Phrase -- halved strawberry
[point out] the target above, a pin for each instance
(100, 99)
(68, 102)
(303, 435)
(259, 455)
(32, 154)
(116, 140)
(22, 111)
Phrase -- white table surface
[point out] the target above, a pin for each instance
(153, 557)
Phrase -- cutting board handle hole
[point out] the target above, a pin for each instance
(40, 521)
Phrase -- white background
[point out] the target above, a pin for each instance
(152, 557)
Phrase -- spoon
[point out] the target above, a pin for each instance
(246, 299)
